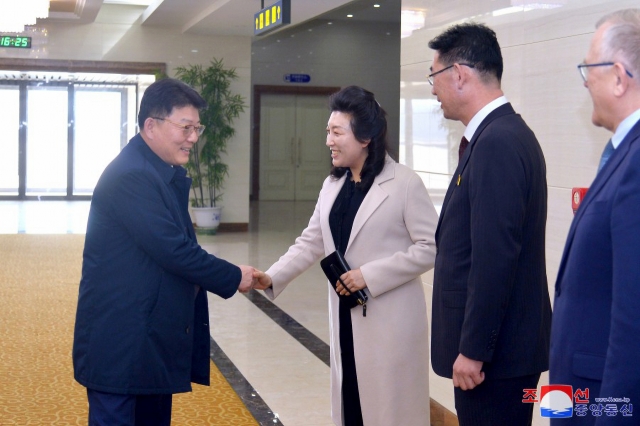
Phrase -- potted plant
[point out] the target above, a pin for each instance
(206, 166)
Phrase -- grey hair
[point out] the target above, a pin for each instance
(621, 40)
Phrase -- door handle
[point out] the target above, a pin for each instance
(293, 152)
(299, 150)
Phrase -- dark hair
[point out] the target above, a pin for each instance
(368, 122)
(471, 43)
(162, 96)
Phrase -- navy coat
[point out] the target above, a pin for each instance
(595, 337)
(142, 323)
(490, 296)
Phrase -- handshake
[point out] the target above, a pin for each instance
(253, 278)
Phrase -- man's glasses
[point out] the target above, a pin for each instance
(430, 76)
(186, 129)
(584, 69)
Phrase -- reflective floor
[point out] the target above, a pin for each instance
(277, 352)
(43, 217)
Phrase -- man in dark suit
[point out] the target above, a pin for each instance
(142, 322)
(595, 341)
(491, 312)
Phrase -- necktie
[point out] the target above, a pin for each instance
(463, 145)
(608, 150)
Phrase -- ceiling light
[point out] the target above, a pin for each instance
(349, 16)
(507, 10)
(16, 16)
(411, 20)
(376, 5)
(527, 5)
(532, 4)
(130, 2)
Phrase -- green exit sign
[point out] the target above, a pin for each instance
(270, 18)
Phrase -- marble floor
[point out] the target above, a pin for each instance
(275, 354)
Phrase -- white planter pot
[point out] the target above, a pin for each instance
(207, 218)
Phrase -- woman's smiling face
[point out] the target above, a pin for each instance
(346, 150)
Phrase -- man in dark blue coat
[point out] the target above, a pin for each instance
(595, 342)
(142, 331)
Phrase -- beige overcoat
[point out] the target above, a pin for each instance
(392, 242)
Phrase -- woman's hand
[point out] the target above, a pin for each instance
(354, 281)
(262, 280)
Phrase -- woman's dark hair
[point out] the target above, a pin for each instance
(368, 122)
(162, 96)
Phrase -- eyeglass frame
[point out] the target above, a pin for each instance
(187, 129)
(585, 66)
(430, 76)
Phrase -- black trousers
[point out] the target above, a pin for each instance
(351, 410)
(496, 402)
(109, 409)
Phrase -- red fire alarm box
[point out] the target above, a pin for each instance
(577, 195)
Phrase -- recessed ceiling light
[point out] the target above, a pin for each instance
(329, 23)
(130, 2)
(349, 16)
(376, 5)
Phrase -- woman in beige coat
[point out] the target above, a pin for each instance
(379, 215)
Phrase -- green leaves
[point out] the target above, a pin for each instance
(206, 166)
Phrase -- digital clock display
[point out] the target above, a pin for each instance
(15, 41)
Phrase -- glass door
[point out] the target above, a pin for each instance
(100, 134)
(58, 136)
(9, 142)
(47, 140)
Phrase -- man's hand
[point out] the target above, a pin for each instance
(263, 281)
(466, 373)
(354, 281)
(247, 281)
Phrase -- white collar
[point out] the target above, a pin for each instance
(481, 115)
(624, 127)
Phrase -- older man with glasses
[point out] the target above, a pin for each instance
(595, 346)
(142, 324)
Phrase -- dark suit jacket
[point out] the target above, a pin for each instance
(140, 328)
(490, 296)
(596, 324)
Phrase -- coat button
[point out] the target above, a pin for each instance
(187, 330)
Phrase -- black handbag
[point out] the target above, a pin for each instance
(334, 266)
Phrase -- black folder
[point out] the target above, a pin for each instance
(334, 266)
